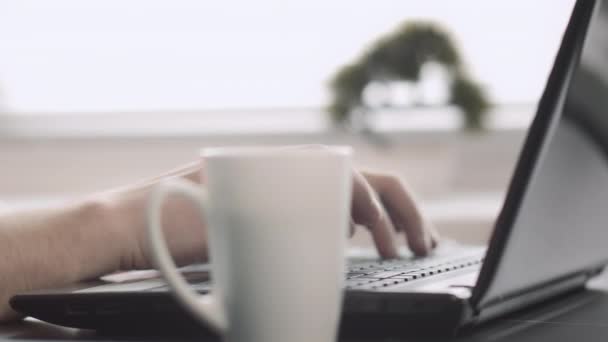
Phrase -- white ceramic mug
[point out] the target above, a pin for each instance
(277, 228)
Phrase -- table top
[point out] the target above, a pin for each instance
(580, 316)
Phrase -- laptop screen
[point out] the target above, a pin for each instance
(560, 226)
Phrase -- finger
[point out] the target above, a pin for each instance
(403, 211)
(383, 235)
(435, 237)
(367, 211)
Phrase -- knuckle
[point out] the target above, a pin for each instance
(375, 215)
(369, 214)
(392, 181)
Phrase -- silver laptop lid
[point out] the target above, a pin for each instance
(554, 223)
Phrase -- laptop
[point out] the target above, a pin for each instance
(549, 238)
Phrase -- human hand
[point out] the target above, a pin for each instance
(380, 202)
(384, 205)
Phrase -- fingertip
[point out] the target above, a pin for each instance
(434, 241)
(420, 246)
(428, 242)
(386, 248)
(389, 254)
(420, 252)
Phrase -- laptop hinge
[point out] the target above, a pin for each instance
(517, 300)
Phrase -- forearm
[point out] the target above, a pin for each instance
(56, 246)
(51, 247)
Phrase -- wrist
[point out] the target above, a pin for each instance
(123, 212)
(102, 236)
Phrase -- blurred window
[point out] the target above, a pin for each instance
(159, 57)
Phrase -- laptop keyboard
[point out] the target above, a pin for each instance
(374, 275)
(387, 273)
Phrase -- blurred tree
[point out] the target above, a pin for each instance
(400, 56)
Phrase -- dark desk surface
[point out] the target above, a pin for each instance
(582, 316)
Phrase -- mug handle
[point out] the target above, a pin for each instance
(206, 308)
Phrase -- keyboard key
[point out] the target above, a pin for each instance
(353, 275)
(405, 277)
(386, 274)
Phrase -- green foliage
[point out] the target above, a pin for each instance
(346, 98)
(469, 97)
(401, 55)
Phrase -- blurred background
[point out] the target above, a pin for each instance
(96, 94)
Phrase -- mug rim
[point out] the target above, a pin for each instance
(267, 151)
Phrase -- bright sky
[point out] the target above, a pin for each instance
(98, 55)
